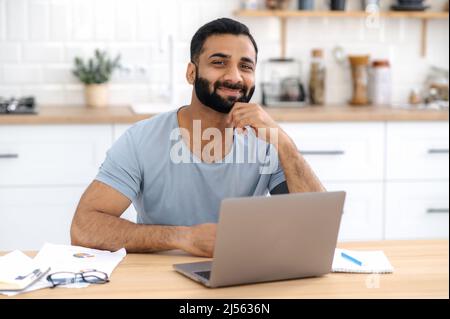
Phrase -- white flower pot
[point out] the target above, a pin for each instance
(96, 95)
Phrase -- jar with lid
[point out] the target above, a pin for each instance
(380, 83)
(277, 4)
(317, 78)
(250, 4)
(360, 78)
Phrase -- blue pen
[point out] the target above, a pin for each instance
(354, 260)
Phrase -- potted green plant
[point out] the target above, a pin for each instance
(95, 74)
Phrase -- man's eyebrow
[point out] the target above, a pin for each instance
(245, 59)
(226, 56)
(219, 55)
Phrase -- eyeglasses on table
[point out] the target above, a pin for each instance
(67, 278)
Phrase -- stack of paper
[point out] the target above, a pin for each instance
(18, 271)
(77, 259)
(64, 258)
(354, 261)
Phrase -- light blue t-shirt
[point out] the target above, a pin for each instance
(153, 166)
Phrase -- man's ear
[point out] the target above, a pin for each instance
(190, 73)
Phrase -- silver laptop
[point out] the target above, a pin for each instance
(271, 238)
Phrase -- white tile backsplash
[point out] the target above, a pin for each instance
(21, 74)
(39, 20)
(126, 20)
(58, 74)
(74, 94)
(42, 53)
(40, 38)
(46, 94)
(9, 52)
(438, 44)
(8, 91)
(82, 20)
(147, 18)
(60, 20)
(104, 19)
(2, 20)
(16, 19)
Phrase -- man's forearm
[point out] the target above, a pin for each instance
(300, 177)
(103, 231)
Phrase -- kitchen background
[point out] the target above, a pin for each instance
(40, 38)
(393, 161)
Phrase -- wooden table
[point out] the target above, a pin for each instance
(421, 271)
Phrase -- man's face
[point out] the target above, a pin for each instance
(225, 72)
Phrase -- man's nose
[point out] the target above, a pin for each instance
(233, 75)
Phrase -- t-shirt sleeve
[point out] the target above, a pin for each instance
(277, 177)
(121, 169)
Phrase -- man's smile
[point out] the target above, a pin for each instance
(233, 92)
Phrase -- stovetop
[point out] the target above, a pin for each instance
(23, 105)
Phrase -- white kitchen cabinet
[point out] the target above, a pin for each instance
(363, 210)
(43, 172)
(417, 151)
(31, 216)
(417, 210)
(52, 154)
(395, 176)
(341, 151)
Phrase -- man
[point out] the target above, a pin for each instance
(177, 197)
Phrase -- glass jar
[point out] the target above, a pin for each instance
(317, 78)
(380, 83)
(277, 4)
(250, 4)
(360, 79)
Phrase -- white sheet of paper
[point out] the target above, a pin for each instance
(15, 264)
(19, 261)
(73, 259)
(373, 261)
(78, 259)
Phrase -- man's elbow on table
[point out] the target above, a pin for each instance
(97, 217)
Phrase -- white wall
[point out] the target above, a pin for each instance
(39, 39)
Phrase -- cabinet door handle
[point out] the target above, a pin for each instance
(437, 211)
(331, 152)
(437, 151)
(9, 155)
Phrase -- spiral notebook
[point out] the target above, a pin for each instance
(357, 261)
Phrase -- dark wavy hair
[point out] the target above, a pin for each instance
(219, 26)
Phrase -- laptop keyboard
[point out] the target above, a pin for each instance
(204, 274)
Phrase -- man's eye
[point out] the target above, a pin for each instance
(218, 63)
(247, 67)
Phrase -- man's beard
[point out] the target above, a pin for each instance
(214, 100)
